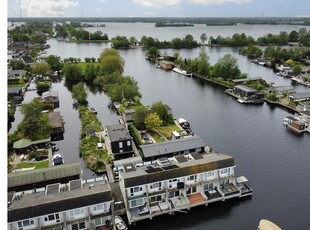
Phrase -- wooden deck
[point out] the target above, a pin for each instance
(195, 198)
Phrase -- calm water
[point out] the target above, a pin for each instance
(275, 161)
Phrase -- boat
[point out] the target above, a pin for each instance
(57, 159)
(183, 72)
(267, 225)
(184, 123)
(93, 110)
(295, 124)
(119, 223)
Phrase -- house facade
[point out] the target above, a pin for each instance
(120, 141)
(178, 183)
(51, 97)
(75, 206)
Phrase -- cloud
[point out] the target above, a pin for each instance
(46, 8)
(217, 2)
(158, 3)
(102, 1)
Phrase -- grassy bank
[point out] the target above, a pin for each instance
(89, 41)
(36, 165)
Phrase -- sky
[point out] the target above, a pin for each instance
(158, 8)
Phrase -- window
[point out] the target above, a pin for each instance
(120, 145)
(25, 223)
(155, 199)
(78, 226)
(128, 143)
(76, 212)
(102, 206)
(156, 185)
(225, 171)
(135, 189)
(208, 186)
(135, 203)
(192, 177)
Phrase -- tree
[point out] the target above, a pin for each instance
(41, 68)
(160, 109)
(73, 72)
(17, 64)
(153, 53)
(203, 64)
(79, 93)
(152, 121)
(203, 38)
(111, 61)
(139, 117)
(296, 70)
(90, 72)
(55, 62)
(226, 68)
(293, 36)
(35, 124)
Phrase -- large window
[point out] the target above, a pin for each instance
(25, 223)
(135, 203)
(76, 212)
(155, 185)
(225, 171)
(78, 226)
(120, 145)
(192, 178)
(53, 217)
(134, 190)
(102, 206)
(154, 199)
(208, 186)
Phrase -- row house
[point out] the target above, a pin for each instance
(178, 183)
(76, 206)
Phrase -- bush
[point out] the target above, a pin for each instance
(135, 134)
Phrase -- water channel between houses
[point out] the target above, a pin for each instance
(275, 161)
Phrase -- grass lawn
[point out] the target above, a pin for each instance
(39, 165)
(166, 130)
(157, 137)
(16, 85)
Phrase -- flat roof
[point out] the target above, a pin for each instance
(38, 175)
(301, 95)
(167, 147)
(149, 174)
(39, 204)
(118, 132)
(245, 89)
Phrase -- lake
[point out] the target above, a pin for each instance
(275, 161)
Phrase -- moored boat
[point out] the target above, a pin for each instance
(57, 159)
(267, 225)
(184, 124)
(93, 110)
(183, 72)
(119, 223)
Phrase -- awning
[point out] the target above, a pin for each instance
(22, 143)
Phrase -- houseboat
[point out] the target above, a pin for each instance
(178, 183)
(246, 94)
(183, 72)
(295, 124)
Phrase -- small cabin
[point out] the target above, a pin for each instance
(51, 97)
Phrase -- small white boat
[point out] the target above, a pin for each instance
(183, 72)
(93, 110)
(57, 159)
(119, 223)
(267, 225)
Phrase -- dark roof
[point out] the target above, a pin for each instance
(301, 95)
(307, 113)
(14, 90)
(38, 175)
(27, 59)
(118, 132)
(174, 146)
(149, 174)
(54, 119)
(39, 204)
(245, 89)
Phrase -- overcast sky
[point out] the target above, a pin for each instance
(159, 8)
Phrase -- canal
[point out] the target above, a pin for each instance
(275, 161)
